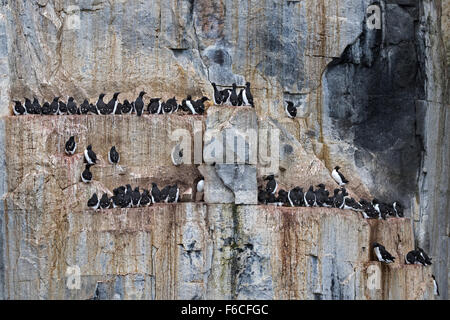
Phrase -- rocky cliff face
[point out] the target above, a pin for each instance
(373, 101)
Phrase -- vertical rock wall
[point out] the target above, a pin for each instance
(373, 101)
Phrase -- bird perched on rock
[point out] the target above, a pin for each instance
(93, 108)
(105, 201)
(84, 107)
(46, 109)
(145, 198)
(127, 108)
(217, 95)
(272, 185)
(296, 197)
(139, 103)
(234, 97)
(71, 146)
(174, 193)
(226, 95)
(398, 209)
(86, 175)
(154, 106)
(290, 109)
(19, 109)
(101, 105)
(322, 196)
(155, 193)
(28, 106)
(382, 254)
(310, 197)
(54, 106)
(89, 155)
(135, 197)
(166, 108)
(72, 106)
(368, 211)
(424, 256)
(199, 105)
(188, 105)
(338, 201)
(338, 177)
(411, 257)
(37, 109)
(113, 155)
(94, 202)
(62, 108)
(262, 196)
(282, 198)
(247, 98)
(112, 104)
(435, 286)
(165, 194)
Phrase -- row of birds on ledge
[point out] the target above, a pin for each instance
(155, 106)
(126, 197)
(321, 198)
(417, 256)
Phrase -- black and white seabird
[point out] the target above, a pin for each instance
(135, 197)
(84, 107)
(240, 99)
(425, 256)
(117, 198)
(310, 197)
(199, 105)
(217, 95)
(37, 109)
(338, 177)
(189, 104)
(93, 108)
(411, 257)
(296, 197)
(382, 254)
(89, 155)
(174, 193)
(165, 194)
(290, 109)
(94, 202)
(272, 185)
(247, 97)
(435, 286)
(72, 106)
(234, 96)
(398, 209)
(113, 156)
(173, 104)
(19, 109)
(282, 198)
(46, 109)
(105, 201)
(145, 198)
(28, 106)
(112, 104)
(338, 199)
(62, 108)
(368, 211)
(226, 95)
(381, 208)
(155, 193)
(127, 197)
(262, 196)
(101, 105)
(86, 175)
(321, 196)
(127, 108)
(71, 146)
(154, 106)
(166, 108)
(139, 104)
(54, 106)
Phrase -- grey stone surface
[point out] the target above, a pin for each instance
(215, 191)
(241, 180)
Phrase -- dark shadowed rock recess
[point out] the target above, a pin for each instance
(374, 102)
